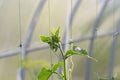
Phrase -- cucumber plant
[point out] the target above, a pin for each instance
(54, 41)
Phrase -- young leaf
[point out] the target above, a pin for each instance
(55, 36)
(77, 51)
(56, 66)
(44, 74)
(53, 40)
(57, 32)
(71, 52)
(45, 39)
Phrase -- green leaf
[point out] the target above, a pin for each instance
(55, 36)
(91, 58)
(83, 52)
(57, 32)
(70, 52)
(74, 51)
(53, 40)
(78, 51)
(56, 66)
(45, 39)
(44, 74)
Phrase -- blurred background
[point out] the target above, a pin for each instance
(14, 27)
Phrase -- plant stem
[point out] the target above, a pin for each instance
(59, 75)
(64, 62)
(60, 47)
(65, 69)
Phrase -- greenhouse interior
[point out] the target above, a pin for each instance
(59, 39)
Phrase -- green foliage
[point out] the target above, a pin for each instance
(46, 73)
(56, 66)
(55, 43)
(75, 50)
(45, 39)
(53, 40)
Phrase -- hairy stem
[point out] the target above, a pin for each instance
(64, 62)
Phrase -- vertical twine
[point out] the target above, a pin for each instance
(29, 37)
(49, 24)
(20, 76)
